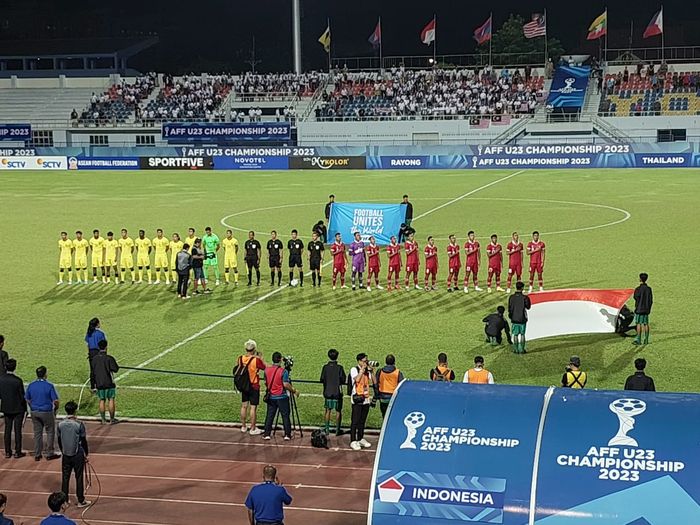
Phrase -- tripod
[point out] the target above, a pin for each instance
(293, 416)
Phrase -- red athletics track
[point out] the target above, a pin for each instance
(155, 474)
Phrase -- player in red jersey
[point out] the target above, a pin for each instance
(535, 249)
(431, 263)
(473, 250)
(394, 252)
(454, 264)
(515, 259)
(373, 264)
(494, 251)
(340, 260)
(412, 261)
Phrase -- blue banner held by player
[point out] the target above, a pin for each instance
(379, 220)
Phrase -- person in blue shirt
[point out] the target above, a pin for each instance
(92, 338)
(3, 504)
(266, 501)
(58, 503)
(42, 398)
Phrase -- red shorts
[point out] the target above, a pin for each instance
(454, 268)
(472, 267)
(495, 269)
(338, 269)
(412, 266)
(515, 270)
(431, 270)
(394, 268)
(373, 268)
(539, 267)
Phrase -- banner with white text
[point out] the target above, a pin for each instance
(378, 220)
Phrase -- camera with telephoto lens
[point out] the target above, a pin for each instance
(288, 361)
(370, 366)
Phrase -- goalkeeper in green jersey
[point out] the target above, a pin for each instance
(211, 244)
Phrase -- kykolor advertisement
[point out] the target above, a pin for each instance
(328, 163)
(458, 452)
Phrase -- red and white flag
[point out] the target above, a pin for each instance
(574, 311)
(427, 36)
(656, 26)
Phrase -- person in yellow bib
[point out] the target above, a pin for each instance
(574, 377)
(110, 260)
(143, 256)
(97, 248)
(80, 249)
(126, 256)
(478, 375)
(388, 379)
(161, 245)
(230, 244)
(65, 258)
(175, 247)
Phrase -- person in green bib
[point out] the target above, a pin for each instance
(211, 244)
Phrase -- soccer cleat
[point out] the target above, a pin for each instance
(541, 288)
(150, 282)
(70, 282)
(369, 288)
(488, 289)
(355, 445)
(529, 290)
(364, 443)
(449, 290)
(499, 289)
(466, 290)
(344, 287)
(94, 279)
(434, 287)
(334, 287)
(353, 287)
(140, 281)
(59, 282)
(417, 287)
(76, 282)
(379, 287)
(218, 282)
(157, 281)
(507, 290)
(477, 289)
(407, 288)
(388, 288)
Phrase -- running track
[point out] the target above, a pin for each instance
(176, 475)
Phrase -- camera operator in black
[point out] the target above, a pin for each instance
(252, 257)
(296, 248)
(332, 377)
(274, 251)
(315, 248)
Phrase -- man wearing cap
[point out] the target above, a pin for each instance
(478, 375)
(252, 362)
(574, 377)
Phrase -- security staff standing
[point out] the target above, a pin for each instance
(574, 377)
(327, 211)
(43, 400)
(409, 211)
(388, 379)
(252, 257)
(639, 380)
(13, 406)
(72, 439)
(266, 501)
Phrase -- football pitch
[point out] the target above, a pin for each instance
(601, 227)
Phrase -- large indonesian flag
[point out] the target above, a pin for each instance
(574, 311)
(427, 36)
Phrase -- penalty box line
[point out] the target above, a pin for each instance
(277, 290)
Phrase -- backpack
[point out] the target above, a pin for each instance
(442, 376)
(350, 383)
(241, 376)
(319, 439)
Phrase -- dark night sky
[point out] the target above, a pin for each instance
(216, 35)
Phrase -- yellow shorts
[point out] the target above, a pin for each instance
(97, 262)
(65, 262)
(230, 262)
(81, 262)
(126, 263)
(161, 261)
(173, 262)
(110, 261)
(143, 260)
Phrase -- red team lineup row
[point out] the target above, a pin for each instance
(535, 249)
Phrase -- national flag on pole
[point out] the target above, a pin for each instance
(575, 311)
(325, 39)
(599, 27)
(427, 36)
(376, 37)
(538, 26)
(483, 32)
(656, 26)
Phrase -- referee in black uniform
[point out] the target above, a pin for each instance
(274, 251)
(295, 247)
(252, 257)
(315, 258)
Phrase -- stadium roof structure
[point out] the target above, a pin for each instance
(71, 57)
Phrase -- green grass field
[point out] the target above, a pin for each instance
(45, 324)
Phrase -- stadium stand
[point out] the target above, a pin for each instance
(120, 102)
(650, 91)
(448, 93)
(277, 86)
(189, 98)
(41, 104)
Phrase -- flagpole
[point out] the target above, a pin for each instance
(546, 23)
(662, 33)
(491, 39)
(330, 44)
(605, 48)
(435, 40)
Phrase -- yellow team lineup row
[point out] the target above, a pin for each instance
(110, 254)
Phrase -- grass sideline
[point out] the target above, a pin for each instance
(45, 324)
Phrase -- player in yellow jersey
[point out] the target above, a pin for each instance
(175, 246)
(97, 248)
(110, 261)
(126, 256)
(191, 237)
(230, 244)
(80, 249)
(143, 256)
(161, 244)
(65, 260)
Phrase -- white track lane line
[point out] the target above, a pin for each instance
(242, 309)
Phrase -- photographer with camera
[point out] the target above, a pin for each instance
(277, 398)
(247, 382)
(362, 379)
(388, 379)
(332, 377)
(574, 377)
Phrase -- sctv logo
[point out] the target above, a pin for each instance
(14, 164)
(48, 164)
